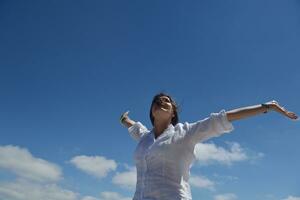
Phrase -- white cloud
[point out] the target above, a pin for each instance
(21, 162)
(113, 196)
(292, 198)
(202, 182)
(25, 190)
(228, 196)
(225, 177)
(94, 165)
(36, 178)
(126, 179)
(209, 153)
(270, 196)
(89, 198)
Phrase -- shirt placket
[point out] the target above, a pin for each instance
(144, 161)
(143, 177)
(145, 168)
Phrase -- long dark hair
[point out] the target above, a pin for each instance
(156, 99)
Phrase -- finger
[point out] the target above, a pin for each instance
(125, 114)
(293, 115)
(295, 118)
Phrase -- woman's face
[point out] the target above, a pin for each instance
(162, 108)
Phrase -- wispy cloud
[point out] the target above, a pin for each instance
(25, 190)
(23, 164)
(89, 198)
(97, 166)
(225, 177)
(126, 179)
(202, 182)
(107, 195)
(208, 153)
(292, 198)
(227, 196)
(112, 196)
(35, 177)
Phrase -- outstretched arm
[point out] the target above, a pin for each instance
(248, 111)
(135, 129)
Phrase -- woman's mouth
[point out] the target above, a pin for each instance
(164, 109)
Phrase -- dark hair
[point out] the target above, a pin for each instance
(156, 99)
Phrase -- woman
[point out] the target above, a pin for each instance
(164, 155)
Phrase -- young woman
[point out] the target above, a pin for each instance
(164, 155)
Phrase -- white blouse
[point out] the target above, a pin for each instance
(163, 164)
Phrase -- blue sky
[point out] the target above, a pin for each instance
(68, 69)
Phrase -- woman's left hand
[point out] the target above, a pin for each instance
(275, 106)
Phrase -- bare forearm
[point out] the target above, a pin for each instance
(244, 112)
(128, 122)
(248, 111)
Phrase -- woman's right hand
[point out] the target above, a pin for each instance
(125, 120)
(124, 116)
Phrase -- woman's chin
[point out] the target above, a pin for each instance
(161, 113)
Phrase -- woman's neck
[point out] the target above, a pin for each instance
(159, 127)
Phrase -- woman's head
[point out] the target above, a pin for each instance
(164, 107)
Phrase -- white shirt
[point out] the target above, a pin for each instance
(163, 164)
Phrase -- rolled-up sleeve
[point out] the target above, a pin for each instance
(137, 130)
(214, 125)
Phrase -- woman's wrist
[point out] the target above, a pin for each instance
(128, 122)
(271, 105)
(266, 107)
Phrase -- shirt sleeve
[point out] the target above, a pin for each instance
(214, 125)
(137, 130)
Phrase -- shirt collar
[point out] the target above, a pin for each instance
(166, 131)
